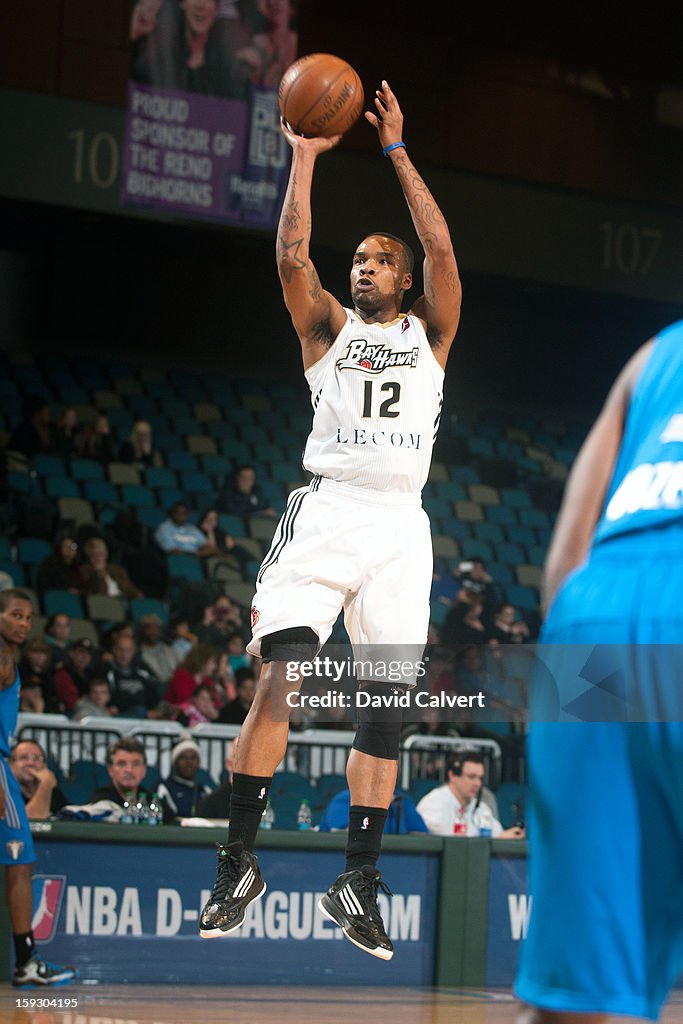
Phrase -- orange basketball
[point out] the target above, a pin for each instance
(320, 95)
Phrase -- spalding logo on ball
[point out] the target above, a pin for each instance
(320, 95)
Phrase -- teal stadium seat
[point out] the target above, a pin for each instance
(33, 550)
(157, 477)
(137, 495)
(61, 487)
(49, 465)
(57, 602)
(185, 567)
(101, 492)
(15, 570)
(86, 469)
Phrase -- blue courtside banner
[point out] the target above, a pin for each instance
(130, 914)
(508, 918)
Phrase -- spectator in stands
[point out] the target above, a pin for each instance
(127, 765)
(66, 433)
(463, 623)
(217, 804)
(237, 653)
(507, 628)
(220, 542)
(445, 585)
(186, 46)
(33, 435)
(161, 657)
(241, 495)
(200, 707)
(275, 45)
(220, 621)
(96, 441)
(176, 535)
(235, 711)
(31, 699)
(197, 667)
(95, 702)
(38, 785)
(60, 570)
(183, 639)
(134, 689)
(73, 677)
(110, 634)
(100, 576)
(35, 671)
(475, 580)
(455, 808)
(58, 635)
(334, 717)
(139, 448)
(402, 816)
(180, 790)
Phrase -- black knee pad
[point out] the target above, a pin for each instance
(300, 643)
(378, 732)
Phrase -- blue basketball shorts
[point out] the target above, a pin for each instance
(605, 815)
(16, 842)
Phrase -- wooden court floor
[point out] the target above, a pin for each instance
(155, 1004)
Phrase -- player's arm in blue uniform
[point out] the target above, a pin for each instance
(589, 480)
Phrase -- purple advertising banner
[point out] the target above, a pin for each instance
(225, 160)
(203, 133)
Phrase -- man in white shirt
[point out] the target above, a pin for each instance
(456, 809)
(177, 535)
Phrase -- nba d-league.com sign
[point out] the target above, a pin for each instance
(130, 914)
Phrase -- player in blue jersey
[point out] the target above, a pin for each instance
(16, 844)
(606, 813)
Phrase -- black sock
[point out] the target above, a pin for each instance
(366, 825)
(247, 804)
(23, 948)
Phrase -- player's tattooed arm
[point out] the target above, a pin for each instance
(316, 315)
(8, 668)
(439, 306)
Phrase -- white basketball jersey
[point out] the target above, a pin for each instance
(377, 396)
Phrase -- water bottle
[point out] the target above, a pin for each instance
(303, 817)
(141, 810)
(485, 819)
(127, 816)
(156, 815)
(268, 817)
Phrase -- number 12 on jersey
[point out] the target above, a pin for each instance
(385, 409)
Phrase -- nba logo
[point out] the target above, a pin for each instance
(48, 891)
(365, 823)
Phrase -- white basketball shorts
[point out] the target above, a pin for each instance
(339, 546)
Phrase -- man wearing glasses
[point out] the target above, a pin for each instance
(38, 785)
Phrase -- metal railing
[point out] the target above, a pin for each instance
(312, 753)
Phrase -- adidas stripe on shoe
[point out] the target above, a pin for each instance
(238, 882)
(351, 902)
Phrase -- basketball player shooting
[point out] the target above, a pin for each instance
(357, 537)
